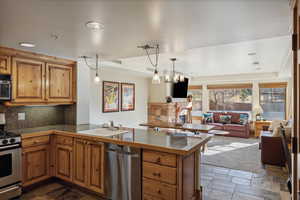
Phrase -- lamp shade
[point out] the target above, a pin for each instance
(257, 110)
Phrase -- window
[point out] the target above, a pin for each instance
(273, 100)
(196, 91)
(230, 97)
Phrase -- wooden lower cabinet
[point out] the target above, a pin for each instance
(35, 164)
(96, 166)
(89, 165)
(159, 190)
(80, 162)
(64, 162)
(169, 176)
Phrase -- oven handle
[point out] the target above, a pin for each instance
(10, 146)
(10, 189)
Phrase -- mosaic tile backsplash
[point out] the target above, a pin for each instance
(36, 116)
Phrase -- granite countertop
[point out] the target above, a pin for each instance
(145, 138)
(59, 127)
(190, 127)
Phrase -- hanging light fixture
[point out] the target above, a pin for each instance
(156, 77)
(181, 78)
(96, 68)
(174, 76)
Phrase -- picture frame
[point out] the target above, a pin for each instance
(110, 96)
(127, 96)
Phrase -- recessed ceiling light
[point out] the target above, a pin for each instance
(94, 25)
(27, 44)
(251, 54)
(255, 63)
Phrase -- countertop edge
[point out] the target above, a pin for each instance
(108, 140)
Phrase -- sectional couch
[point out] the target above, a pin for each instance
(235, 128)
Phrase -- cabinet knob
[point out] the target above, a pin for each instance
(158, 160)
(159, 192)
(156, 174)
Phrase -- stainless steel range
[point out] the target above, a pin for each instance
(10, 165)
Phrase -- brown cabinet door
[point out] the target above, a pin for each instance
(5, 67)
(35, 164)
(80, 162)
(59, 83)
(64, 160)
(96, 167)
(28, 80)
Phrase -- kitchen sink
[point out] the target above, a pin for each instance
(104, 132)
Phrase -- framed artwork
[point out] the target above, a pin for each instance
(127, 96)
(110, 96)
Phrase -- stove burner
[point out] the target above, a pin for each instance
(8, 138)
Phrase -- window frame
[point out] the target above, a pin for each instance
(230, 86)
(275, 85)
(197, 87)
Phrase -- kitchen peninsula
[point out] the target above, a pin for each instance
(169, 162)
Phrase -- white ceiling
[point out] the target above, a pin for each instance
(180, 27)
(226, 59)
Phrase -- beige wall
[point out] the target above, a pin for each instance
(90, 97)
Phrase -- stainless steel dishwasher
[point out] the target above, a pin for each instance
(123, 172)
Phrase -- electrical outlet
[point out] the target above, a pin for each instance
(21, 116)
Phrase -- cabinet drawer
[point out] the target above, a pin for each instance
(64, 140)
(36, 141)
(159, 190)
(160, 173)
(160, 158)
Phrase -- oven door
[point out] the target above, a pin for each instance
(10, 166)
(5, 90)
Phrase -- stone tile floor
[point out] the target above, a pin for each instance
(57, 191)
(229, 184)
(218, 184)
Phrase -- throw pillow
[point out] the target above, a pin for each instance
(208, 117)
(276, 132)
(243, 119)
(225, 119)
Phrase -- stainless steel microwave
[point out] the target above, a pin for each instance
(5, 87)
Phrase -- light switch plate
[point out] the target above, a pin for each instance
(21, 116)
(2, 118)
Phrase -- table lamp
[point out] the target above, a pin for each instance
(257, 111)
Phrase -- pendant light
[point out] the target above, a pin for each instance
(97, 78)
(175, 74)
(156, 77)
(96, 68)
(181, 78)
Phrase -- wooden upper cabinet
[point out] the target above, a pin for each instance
(5, 65)
(59, 83)
(28, 80)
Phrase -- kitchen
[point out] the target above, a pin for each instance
(132, 100)
(156, 164)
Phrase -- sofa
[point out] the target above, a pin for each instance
(234, 128)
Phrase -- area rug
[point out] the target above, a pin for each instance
(233, 153)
